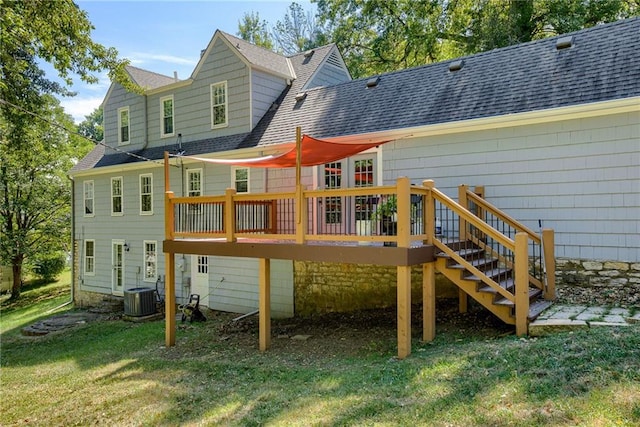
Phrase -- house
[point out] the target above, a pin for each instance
(550, 129)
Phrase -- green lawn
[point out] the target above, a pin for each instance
(113, 372)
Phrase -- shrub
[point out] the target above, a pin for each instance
(49, 266)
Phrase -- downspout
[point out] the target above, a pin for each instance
(73, 252)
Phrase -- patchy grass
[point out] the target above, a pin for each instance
(36, 301)
(118, 373)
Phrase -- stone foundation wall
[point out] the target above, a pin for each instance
(328, 287)
(608, 283)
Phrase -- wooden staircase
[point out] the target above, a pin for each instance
(490, 267)
(499, 262)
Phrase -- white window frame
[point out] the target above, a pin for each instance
(163, 133)
(214, 104)
(234, 179)
(121, 196)
(89, 260)
(121, 141)
(142, 193)
(188, 173)
(148, 260)
(89, 187)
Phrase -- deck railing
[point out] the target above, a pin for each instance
(365, 215)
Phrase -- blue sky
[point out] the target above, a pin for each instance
(161, 36)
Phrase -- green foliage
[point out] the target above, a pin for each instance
(35, 196)
(49, 266)
(253, 30)
(92, 125)
(377, 36)
(298, 31)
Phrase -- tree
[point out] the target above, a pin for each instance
(298, 31)
(377, 36)
(91, 127)
(35, 208)
(253, 30)
(34, 153)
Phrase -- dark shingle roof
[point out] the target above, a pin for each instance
(148, 79)
(260, 56)
(603, 64)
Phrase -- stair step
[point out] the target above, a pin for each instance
(507, 284)
(477, 263)
(538, 307)
(490, 273)
(533, 293)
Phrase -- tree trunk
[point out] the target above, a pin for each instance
(16, 266)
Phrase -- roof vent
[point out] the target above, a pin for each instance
(564, 42)
(456, 65)
(300, 96)
(309, 53)
(373, 82)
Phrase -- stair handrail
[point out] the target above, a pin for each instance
(518, 226)
(468, 216)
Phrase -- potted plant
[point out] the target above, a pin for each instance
(387, 214)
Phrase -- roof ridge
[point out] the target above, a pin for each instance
(489, 52)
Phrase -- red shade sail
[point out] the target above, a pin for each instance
(314, 152)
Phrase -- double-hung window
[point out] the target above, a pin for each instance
(219, 105)
(88, 198)
(89, 257)
(116, 196)
(194, 182)
(123, 126)
(150, 260)
(146, 194)
(240, 177)
(166, 109)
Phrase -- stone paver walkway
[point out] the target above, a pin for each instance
(561, 317)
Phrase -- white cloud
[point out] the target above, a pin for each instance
(78, 107)
(141, 58)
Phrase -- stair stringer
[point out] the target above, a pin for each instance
(470, 287)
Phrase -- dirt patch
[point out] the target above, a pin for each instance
(344, 334)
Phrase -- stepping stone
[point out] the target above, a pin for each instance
(551, 326)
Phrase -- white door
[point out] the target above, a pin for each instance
(200, 278)
(338, 215)
(117, 262)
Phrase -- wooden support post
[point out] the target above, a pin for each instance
(170, 300)
(230, 215)
(403, 185)
(464, 202)
(264, 304)
(166, 171)
(429, 212)
(522, 283)
(428, 301)
(550, 263)
(404, 311)
(301, 215)
(463, 301)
